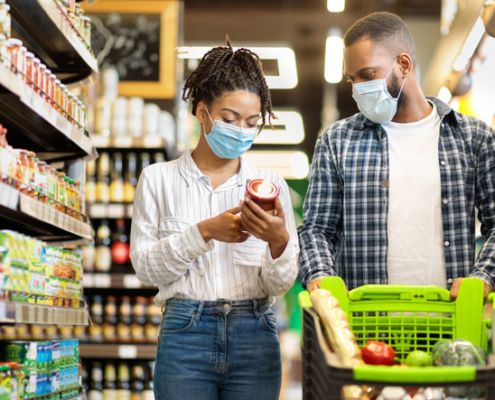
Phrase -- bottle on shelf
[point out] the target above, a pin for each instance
(110, 320)
(120, 243)
(158, 158)
(148, 392)
(96, 383)
(103, 254)
(32, 173)
(117, 181)
(144, 161)
(62, 193)
(139, 309)
(137, 382)
(123, 326)
(123, 385)
(96, 314)
(90, 187)
(109, 385)
(130, 180)
(102, 184)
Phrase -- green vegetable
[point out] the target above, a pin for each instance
(458, 352)
(418, 358)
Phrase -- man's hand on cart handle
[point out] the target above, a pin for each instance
(315, 284)
(454, 291)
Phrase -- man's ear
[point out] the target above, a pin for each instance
(406, 64)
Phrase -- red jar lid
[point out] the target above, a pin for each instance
(262, 189)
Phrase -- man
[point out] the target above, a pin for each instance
(394, 188)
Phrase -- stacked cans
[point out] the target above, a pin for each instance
(50, 369)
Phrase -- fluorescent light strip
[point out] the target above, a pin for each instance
(289, 129)
(285, 57)
(288, 164)
(470, 45)
(336, 5)
(334, 53)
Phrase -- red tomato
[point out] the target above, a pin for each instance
(378, 353)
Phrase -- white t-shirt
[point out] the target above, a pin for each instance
(415, 231)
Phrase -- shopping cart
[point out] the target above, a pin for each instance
(406, 317)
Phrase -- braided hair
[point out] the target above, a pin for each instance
(224, 70)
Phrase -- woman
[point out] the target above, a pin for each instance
(218, 261)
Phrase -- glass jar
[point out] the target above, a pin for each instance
(56, 95)
(52, 185)
(72, 198)
(63, 99)
(87, 30)
(51, 93)
(33, 169)
(29, 68)
(42, 80)
(5, 19)
(4, 52)
(62, 194)
(14, 47)
(70, 107)
(41, 183)
(35, 77)
(81, 114)
(48, 86)
(23, 171)
(77, 196)
(22, 62)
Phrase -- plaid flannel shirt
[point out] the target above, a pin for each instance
(344, 230)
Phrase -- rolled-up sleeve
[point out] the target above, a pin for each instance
(320, 230)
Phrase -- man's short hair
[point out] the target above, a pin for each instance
(385, 30)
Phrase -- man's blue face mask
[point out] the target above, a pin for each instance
(375, 101)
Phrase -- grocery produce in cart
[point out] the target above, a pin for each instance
(440, 345)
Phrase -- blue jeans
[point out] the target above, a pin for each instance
(218, 350)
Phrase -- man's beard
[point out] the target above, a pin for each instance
(394, 90)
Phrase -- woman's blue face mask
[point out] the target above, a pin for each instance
(229, 141)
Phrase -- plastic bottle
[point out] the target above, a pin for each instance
(69, 184)
(32, 172)
(41, 182)
(62, 194)
(52, 178)
(22, 172)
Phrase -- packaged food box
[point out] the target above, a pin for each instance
(20, 352)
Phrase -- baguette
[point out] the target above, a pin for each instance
(337, 327)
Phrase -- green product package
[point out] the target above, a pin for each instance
(21, 352)
(4, 382)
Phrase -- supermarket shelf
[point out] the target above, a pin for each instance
(112, 210)
(26, 313)
(80, 396)
(45, 31)
(37, 125)
(114, 281)
(124, 351)
(7, 312)
(128, 142)
(31, 217)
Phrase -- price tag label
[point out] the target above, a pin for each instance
(123, 141)
(88, 280)
(98, 211)
(131, 281)
(102, 281)
(116, 211)
(152, 141)
(60, 316)
(127, 351)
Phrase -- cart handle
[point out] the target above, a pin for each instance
(400, 292)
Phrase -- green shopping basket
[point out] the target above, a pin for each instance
(407, 318)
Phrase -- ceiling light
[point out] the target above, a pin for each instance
(336, 5)
(334, 54)
(289, 129)
(286, 59)
(288, 164)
